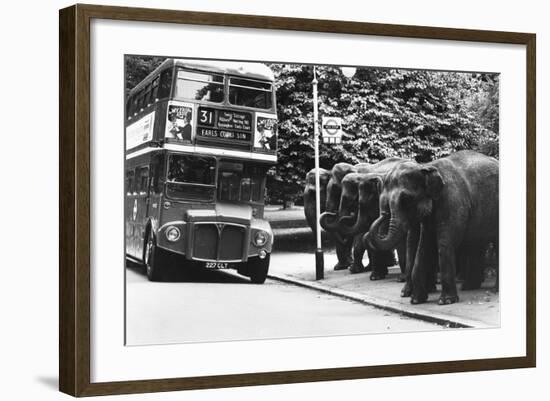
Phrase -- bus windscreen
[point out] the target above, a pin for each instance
(191, 177)
(240, 185)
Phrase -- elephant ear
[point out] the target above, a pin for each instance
(373, 185)
(434, 181)
(340, 170)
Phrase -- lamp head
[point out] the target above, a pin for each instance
(348, 72)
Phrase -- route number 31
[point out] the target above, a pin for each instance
(206, 117)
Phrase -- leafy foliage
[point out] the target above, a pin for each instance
(415, 114)
(138, 67)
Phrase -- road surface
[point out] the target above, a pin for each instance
(222, 306)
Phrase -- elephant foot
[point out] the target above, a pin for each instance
(341, 266)
(402, 278)
(406, 291)
(377, 276)
(355, 268)
(368, 268)
(447, 299)
(419, 299)
(379, 273)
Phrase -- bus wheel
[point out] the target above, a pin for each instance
(257, 269)
(153, 259)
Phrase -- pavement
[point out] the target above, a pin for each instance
(293, 261)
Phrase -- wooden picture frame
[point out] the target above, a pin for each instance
(74, 199)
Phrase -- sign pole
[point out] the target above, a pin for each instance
(319, 258)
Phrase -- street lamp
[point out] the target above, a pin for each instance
(319, 258)
(348, 72)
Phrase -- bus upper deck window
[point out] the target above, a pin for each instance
(250, 93)
(165, 84)
(154, 90)
(146, 96)
(199, 86)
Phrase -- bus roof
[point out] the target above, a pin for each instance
(249, 70)
(242, 69)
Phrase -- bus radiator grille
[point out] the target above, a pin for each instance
(222, 242)
(231, 243)
(205, 242)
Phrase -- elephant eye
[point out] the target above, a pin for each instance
(406, 199)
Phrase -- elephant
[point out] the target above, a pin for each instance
(452, 203)
(358, 209)
(329, 220)
(343, 248)
(334, 185)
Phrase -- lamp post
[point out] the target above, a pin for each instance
(319, 256)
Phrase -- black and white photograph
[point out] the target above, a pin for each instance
(270, 200)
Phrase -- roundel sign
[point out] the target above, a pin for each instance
(331, 129)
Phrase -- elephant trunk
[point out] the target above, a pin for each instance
(383, 235)
(329, 221)
(338, 238)
(349, 225)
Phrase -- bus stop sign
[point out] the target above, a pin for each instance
(331, 129)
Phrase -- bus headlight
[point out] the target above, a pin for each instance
(173, 234)
(260, 238)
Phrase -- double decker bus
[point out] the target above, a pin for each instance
(200, 137)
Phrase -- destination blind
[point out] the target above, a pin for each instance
(224, 124)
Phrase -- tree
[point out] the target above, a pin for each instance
(415, 114)
(138, 67)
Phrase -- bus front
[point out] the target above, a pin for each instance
(214, 176)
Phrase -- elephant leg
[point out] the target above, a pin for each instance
(462, 263)
(343, 252)
(412, 244)
(430, 257)
(385, 258)
(379, 264)
(447, 264)
(402, 258)
(358, 253)
(473, 275)
(421, 275)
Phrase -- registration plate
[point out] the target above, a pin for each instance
(215, 265)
